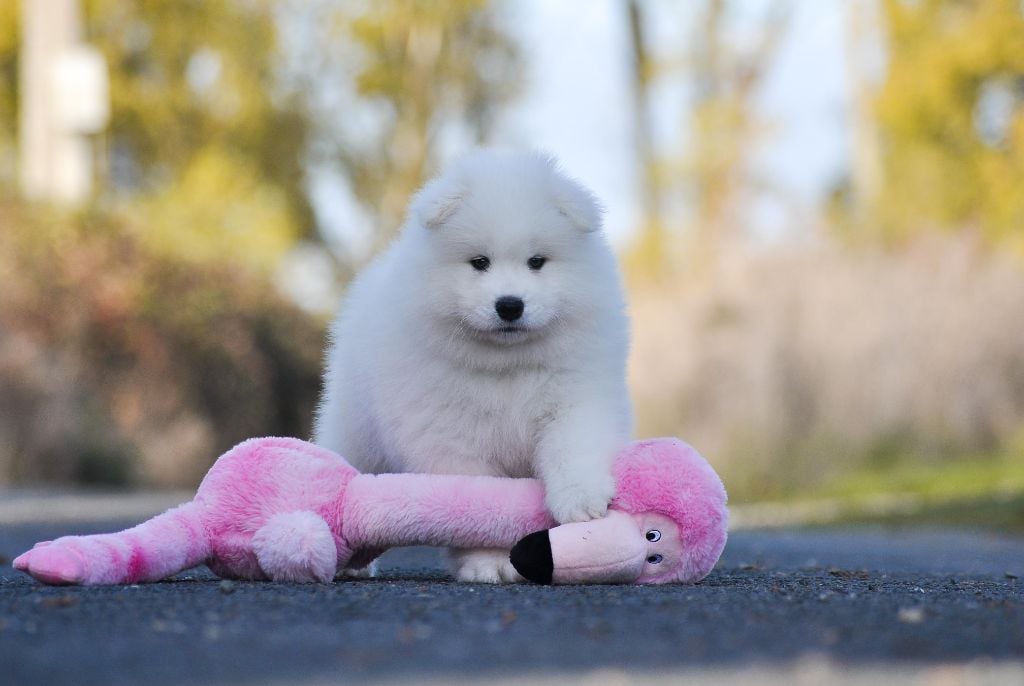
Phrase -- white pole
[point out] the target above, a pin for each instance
(55, 159)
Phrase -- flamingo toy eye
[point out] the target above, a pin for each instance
(655, 559)
(654, 536)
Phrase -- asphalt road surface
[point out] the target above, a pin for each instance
(856, 601)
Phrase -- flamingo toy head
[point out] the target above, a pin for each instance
(667, 523)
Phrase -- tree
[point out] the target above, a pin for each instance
(712, 175)
(152, 312)
(950, 111)
(206, 145)
(723, 119)
(8, 90)
(426, 70)
(202, 124)
(649, 250)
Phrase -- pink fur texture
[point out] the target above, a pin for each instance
(388, 510)
(668, 477)
(286, 510)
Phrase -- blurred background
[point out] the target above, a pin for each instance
(819, 208)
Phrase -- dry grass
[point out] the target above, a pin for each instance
(788, 369)
(792, 368)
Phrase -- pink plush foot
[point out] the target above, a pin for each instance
(296, 546)
(52, 565)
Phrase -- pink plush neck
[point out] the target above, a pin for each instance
(385, 510)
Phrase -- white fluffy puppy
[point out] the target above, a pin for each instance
(489, 338)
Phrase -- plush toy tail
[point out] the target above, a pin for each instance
(153, 550)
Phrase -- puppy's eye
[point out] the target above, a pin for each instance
(536, 262)
(655, 559)
(480, 263)
(653, 535)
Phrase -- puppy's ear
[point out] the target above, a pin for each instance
(437, 202)
(578, 205)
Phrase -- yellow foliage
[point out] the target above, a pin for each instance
(8, 78)
(9, 29)
(206, 146)
(942, 169)
(218, 208)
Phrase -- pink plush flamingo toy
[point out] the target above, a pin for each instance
(286, 510)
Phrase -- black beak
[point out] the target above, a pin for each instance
(531, 557)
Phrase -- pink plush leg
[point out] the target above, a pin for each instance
(153, 550)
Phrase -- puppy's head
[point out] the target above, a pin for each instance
(513, 247)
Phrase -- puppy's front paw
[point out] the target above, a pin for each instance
(582, 500)
(484, 566)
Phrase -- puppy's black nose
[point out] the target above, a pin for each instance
(531, 557)
(509, 307)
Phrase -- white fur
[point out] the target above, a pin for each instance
(419, 379)
(485, 566)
